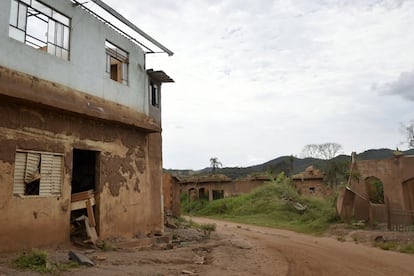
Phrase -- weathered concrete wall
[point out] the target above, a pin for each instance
(230, 188)
(311, 187)
(388, 171)
(85, 71)
(395, 173)
(246, 186)
(130, 175)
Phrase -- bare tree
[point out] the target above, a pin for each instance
(321, 151)
(408, 131)
(215, 164)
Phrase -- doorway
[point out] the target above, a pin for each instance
(84, 199)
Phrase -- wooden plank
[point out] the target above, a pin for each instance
(89, 211)
(82, 195)
(77, 205)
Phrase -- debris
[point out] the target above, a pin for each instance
(89, 251)
(188, 272)
(99, 258)
(379, 239)
(80, 258)
(90, 231)
(170, 224)
(199, 259)
(298, 206)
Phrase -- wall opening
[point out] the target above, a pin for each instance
(408, 190)
(83, 170)
(375, 189)
(203, 193)
(84, 199)
(218, 194)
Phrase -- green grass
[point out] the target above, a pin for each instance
(407, 248)
(38, 261)
(35, 260)
(269, 205)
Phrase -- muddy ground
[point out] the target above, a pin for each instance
(238, 249)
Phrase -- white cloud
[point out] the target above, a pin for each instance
(259, 79)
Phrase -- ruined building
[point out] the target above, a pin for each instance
(380, 191)
(80, 124)
(310, 182)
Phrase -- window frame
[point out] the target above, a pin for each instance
(50, 164)
(154, 91)
(115, 55)
(56, 27)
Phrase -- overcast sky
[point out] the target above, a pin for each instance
(257, 79)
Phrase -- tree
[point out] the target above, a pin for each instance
(321, 151)
(334, 168)
(215, 164)
(408, 131)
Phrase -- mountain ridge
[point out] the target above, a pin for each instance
(290, 164)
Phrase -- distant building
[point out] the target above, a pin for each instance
(80, 125)
(310, 182)
(219, 186)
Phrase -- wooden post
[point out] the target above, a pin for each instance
(387, 205)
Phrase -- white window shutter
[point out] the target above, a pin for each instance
(46, 181)
(32, 166)
(19, 173)
(57, 174)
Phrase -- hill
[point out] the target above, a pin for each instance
(291, 164)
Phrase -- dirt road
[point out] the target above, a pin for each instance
(278, 252)
(238, 249)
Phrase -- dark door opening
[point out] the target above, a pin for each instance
(84, 199)
(83, 170)
(218, 194)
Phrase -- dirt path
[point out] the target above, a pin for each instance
(238, 249)
(279, 252)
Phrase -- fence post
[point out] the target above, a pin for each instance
(387, 204)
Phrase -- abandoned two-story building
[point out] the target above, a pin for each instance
(80, 124)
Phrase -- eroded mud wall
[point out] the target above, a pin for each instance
(129, 188)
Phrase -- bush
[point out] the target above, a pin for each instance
(270, 205)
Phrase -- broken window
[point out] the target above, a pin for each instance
(155, 96)
(116, 63)
(40, 26)
(37, 173)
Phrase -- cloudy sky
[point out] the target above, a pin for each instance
(257, 79)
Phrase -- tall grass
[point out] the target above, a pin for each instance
(269, 205)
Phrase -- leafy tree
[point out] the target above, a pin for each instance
(215, 163)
